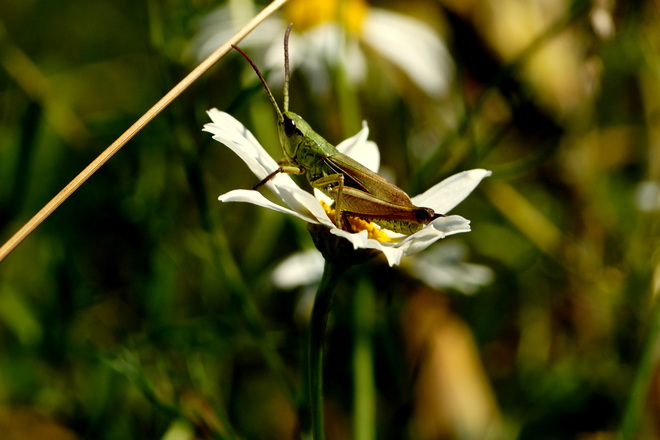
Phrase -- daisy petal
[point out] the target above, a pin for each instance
(303, 202)
(219, 25)
(438, 229)
(256, 198)
(451, 224)
(392, 254)
(393, 35)
(227, 130)
(451, 191)
(357, 239)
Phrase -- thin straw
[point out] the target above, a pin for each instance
(64, 194)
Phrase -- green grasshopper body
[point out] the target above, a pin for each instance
(356, 190)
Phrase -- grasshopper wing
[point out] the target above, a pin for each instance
(360, 177)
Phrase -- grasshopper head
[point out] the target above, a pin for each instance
(293, 131)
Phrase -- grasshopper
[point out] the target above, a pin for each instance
(356, 190)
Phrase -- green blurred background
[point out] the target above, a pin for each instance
(144, 308)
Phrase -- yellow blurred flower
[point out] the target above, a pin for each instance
(307, 14)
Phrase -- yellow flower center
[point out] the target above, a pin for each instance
(305, 14)
(357, 224)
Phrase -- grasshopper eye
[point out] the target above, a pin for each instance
(289, 127)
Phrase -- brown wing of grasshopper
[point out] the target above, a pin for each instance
(358, 176)
(367, 195)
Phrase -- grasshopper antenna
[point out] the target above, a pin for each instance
(263, 81)
(287, 73)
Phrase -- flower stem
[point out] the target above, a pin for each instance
(364, 405)
(331, 273)
(640, 389)
(349, 107)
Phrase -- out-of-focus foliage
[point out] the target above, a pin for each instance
(144, 308)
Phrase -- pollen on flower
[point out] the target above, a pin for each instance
(357, 224)
(310, 13)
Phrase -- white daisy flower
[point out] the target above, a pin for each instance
(318, 41)
(302, 204)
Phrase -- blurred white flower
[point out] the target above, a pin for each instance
(300, 203)
(602, 21)
(300, 269)
(648, 196)
(444, 267)
(318, 41)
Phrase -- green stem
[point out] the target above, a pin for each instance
(363, 364)
(331, 273)
(349, 106)
(640, 389)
